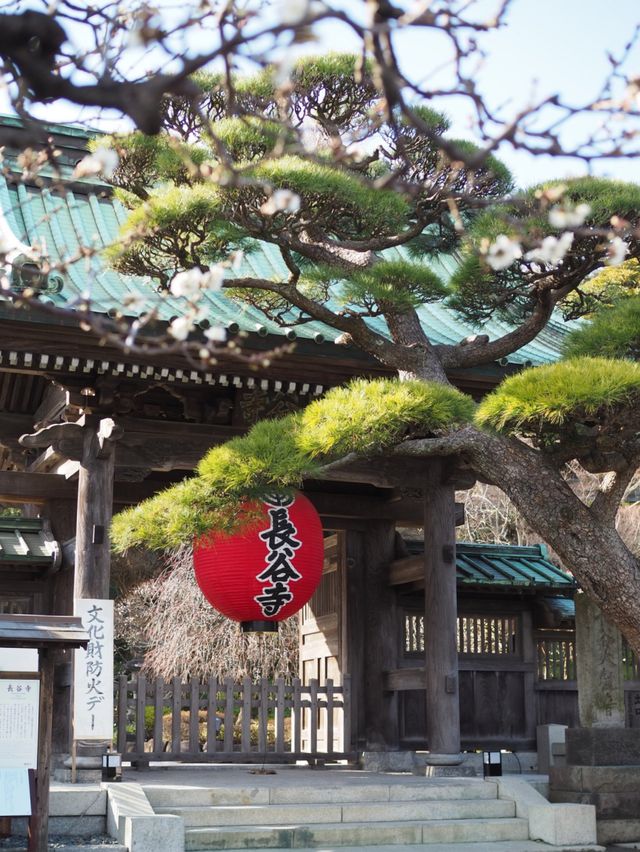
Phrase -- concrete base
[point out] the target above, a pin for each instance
(558, 824)
(417, 762)
(613, 790)
(603, 746)
(434, 759)
(548, 736)
(133, 822)
(619, 831)
(459, 771)
(389, 761)
(151, 833)
(83, 776)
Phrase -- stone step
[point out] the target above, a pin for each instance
(90, 847)
(161, 796)
(494, 846)
(353, 812)
(326, 835)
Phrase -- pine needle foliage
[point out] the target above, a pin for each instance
(339, 200)
(394, 283)
(366, 417)
(247, 138)
(604, 290)
(606, 198)
(555, 396)
(152, 160)
(613, 332)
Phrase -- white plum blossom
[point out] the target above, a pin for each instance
(237, 257)
(6, 243)
(617, 252)
(281, 201)
(552, 250)
(216, 334)
(187, 283)
(569, 217)
(190, 283)
(180, 327)
(503, 252)
(214, 278)
(102, 161)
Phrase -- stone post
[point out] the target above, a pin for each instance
(599, 662)
(602, 756)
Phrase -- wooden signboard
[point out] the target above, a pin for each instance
(19, 720)
(15, 793)
(93, 672)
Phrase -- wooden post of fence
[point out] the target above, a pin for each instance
(330, 706)
(158, 710)
(176, 715)
(140, 705)
(246, 715)
(212, 715)
(346, 713)
(279, 720)
(313, 723)
(194, 715)
(123, 687)
(263, 715)
(296, 720)
(228, 715)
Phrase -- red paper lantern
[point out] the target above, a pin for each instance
(269, 570)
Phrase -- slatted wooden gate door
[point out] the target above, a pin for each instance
(225, 721)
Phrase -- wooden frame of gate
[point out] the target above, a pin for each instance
(224, 721)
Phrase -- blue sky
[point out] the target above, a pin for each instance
(547, 46)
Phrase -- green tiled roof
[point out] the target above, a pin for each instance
(27, 541)
(506, 565)
(88, 215)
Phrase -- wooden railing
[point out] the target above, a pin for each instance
(225, 721)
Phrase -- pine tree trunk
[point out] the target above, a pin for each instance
(588, 546)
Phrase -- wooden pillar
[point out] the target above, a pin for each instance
(353, 615)
(440, 621)
(93, 520)
(95, 505)
(61, 515)
(372, 633)
(39, 822)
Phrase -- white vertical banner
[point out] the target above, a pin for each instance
(93, 672)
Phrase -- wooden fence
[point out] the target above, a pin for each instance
(224, 721)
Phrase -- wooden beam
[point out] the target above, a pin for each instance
(368, 507)
(396, 472)
(398, 680)
(18, 486)
(407, 570)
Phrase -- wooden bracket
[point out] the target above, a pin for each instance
(108, 433)
(65, 438)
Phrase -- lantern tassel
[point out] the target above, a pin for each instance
(259, 626)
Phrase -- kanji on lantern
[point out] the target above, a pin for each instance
(267, 571)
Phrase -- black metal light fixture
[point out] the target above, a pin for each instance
(491, 763)
(111, 766)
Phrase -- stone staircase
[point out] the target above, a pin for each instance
(285, 816)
